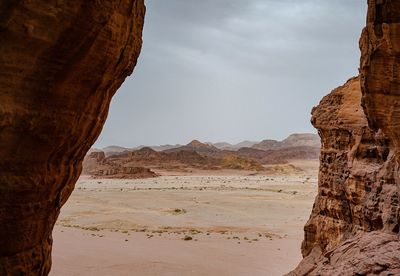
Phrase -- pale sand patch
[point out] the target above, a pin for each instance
(76, 252)
(239, 225)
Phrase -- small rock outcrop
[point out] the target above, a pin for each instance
(355, 223)
(97, 165)
(61, 62)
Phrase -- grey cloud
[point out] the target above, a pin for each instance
(234, 69)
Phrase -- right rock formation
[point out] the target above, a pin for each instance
(354, 225)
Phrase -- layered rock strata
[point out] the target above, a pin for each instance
(355, 223)
(61, 62)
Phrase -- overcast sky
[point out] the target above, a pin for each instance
(232, 70)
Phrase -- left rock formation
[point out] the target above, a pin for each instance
(60, 64)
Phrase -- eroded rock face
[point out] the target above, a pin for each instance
(61, 62)
(353, 195)
(380, 67)
(354, 225)
(356, 193)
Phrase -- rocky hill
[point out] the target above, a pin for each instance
(296, 146)
(196, 146)
(135, 162)
(115, 160)
(198, 155)
(240, 163)
(294, 140)
(165, 147)
(283, 155)
(228, 146)
(98, 165)
(165, 160)
(113, 150)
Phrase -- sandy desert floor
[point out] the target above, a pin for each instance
(184, 225)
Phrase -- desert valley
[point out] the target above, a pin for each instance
(228, 70)
(211, 204)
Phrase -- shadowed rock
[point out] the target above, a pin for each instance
(61, 62)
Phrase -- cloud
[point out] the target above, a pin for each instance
(234, 69)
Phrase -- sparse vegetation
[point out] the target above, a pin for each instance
(178, 211)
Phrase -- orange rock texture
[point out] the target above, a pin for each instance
(61, 62)
(354, 225)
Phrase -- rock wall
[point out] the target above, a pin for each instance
(380, 67)
(354, 225)
(61, 62)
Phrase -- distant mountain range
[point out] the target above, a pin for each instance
(227, 146)
(253, 156)
(293, 140)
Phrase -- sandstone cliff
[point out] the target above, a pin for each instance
(354, 225)
(356, 194)
(61, 62)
